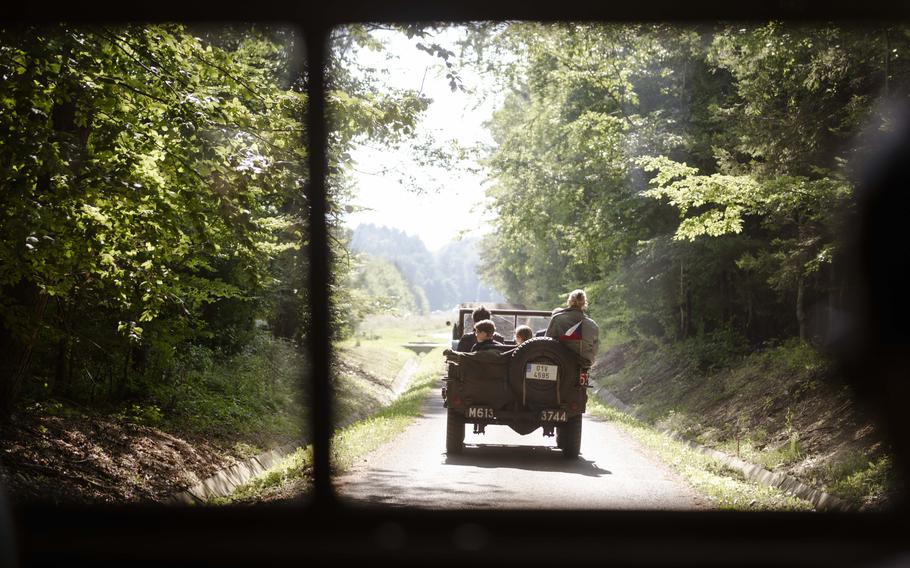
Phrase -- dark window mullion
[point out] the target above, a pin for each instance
(319, 344)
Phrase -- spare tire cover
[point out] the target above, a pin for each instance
(535, 394)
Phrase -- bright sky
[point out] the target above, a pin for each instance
(452, 199)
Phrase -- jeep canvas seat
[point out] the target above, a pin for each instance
(483, 376)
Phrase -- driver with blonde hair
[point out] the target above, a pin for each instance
(571, 325)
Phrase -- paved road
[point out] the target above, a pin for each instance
(501, 469)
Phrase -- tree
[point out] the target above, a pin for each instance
(151, 193)
(691, 177)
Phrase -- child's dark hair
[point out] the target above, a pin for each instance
(524, 332)
(486, 326)
(480, 314)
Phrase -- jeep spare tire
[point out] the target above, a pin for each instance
(545, 355)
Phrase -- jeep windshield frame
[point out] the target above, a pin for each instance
(506, 321)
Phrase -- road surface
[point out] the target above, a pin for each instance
(503, 470)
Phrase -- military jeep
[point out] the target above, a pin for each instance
(538, 384)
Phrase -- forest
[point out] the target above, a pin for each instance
(403, 276)
(701, 183)
(153, 224)
(697, 181)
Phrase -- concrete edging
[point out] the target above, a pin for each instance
(820, 500)
(229, 479)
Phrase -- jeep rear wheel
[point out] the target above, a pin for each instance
(454, 433)
(568, 438)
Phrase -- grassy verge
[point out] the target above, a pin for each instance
(365, 370)
(378, 344)
(380, 353)
(725, 487)
(782, 407)
(368, 362)
(363, 437)
(349, 443)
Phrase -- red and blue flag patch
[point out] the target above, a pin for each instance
(573, 333)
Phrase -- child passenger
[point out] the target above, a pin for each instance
(468, 340)
(484, 331)
(522, 334)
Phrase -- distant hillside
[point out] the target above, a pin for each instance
(382, 281)
(446, 278)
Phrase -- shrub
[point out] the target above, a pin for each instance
(868, 478)
(253, 393)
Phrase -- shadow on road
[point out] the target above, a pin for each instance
(398, 489)
(535, 458)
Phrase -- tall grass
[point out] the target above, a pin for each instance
(773, 406)
(254, 395)
(725, 487)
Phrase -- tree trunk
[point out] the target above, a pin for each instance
(833, 306)
(801, 317)
(683, 308)
(749, 312)
(127, 360)
(63, 373)
(13, 379)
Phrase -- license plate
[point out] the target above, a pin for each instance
(480, 412)
(553, 416)
(541, 372)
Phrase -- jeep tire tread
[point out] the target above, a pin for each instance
(568, 438)
(454, 432)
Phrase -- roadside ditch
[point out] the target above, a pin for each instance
(820, 500)
(228, 480)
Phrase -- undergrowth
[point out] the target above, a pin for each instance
(726, 487)
(254, 395)
(249, 400)
(781, 406)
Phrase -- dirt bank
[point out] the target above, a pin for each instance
(783, 408)
(84, 458)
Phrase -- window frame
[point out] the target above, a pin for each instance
(322, 528)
